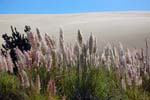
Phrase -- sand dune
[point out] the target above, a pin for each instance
(131, 28)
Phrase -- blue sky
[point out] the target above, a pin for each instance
(71, 6)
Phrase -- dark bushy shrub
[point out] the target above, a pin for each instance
(13, 41)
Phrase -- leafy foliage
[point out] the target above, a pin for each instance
(9, 87)
(13, 41)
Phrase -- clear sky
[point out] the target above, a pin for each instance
(71, 6)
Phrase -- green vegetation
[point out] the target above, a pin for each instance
(73, 72)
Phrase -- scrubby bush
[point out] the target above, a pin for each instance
(11, 42)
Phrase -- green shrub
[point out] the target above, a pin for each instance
(10, 88)
(84, 87)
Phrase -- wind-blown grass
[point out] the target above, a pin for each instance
(74, 72)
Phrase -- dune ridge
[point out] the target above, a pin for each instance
(131, 28)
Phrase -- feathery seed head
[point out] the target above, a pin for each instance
(80, 39)
(121, 51)
(24, 79)
(9, 63)
(76, 49)
(91, 42)
(38, 34)
(61, 35)
(94, 46)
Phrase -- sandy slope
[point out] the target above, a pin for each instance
(131, 28)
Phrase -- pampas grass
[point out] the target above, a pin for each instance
(78, 67)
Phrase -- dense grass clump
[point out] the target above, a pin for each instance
(10, 88)
(34, 67)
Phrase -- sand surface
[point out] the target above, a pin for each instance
(131, 28)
